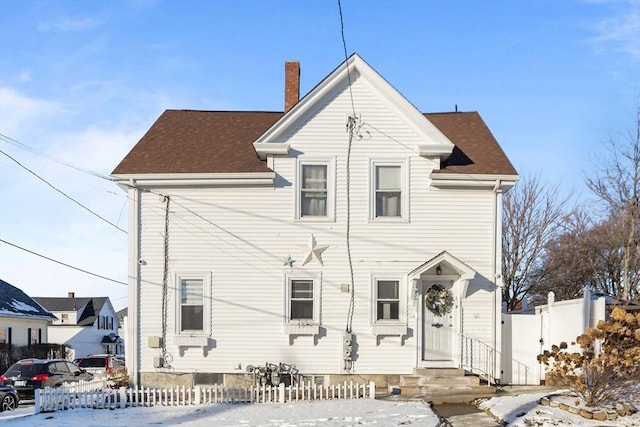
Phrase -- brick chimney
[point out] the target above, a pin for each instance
(291, 84)
(71, 294)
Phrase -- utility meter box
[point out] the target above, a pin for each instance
(347, 346)
(155, 342)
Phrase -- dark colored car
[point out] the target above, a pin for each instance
(9, 399)
(100, 364)
(29, 374)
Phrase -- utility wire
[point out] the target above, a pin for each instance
(19, 144)
(344, 46)
(62, 263)
(61, 192)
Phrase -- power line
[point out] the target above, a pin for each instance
(63, 193)
(19, 144)
(62, 263)
(344, 45)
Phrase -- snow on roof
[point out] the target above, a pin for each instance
(15, 303)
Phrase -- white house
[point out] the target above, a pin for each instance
(22, 320)
(86, 325)
(350, 234)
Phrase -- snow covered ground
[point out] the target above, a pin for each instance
(521, 410)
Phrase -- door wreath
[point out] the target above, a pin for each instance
(438, 300)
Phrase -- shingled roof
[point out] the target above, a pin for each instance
(188, 141)
(89, 306)
(15, 303)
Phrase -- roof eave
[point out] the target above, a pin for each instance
(193, 179)
(488, 181)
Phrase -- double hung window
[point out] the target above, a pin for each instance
(313, 191)
(388, 191)
(302, 304)
(388, 300)
(191, 304)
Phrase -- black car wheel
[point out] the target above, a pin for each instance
(8, 403)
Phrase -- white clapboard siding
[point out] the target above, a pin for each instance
(241, 236)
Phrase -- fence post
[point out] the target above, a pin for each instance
(372, 389)
(123, 397)
(198, 395)
(281, 392)
(36, 408)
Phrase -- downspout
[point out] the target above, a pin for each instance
(132, 341)
(497, 277)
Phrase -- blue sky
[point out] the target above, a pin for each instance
(81, 81)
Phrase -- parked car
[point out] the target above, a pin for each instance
(101, 364)
(9, 398)
(27, 375)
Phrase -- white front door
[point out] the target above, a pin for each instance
(437, 329)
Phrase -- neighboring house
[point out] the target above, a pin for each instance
(86, 325)
(314, 236)
(22, 320)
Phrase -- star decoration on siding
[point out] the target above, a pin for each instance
(314, 251)
(289, 261)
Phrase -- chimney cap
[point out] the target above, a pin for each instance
(71, 294)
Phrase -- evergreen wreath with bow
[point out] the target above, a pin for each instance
(438, 300)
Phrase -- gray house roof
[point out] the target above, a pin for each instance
(88, 308)
(15, 303)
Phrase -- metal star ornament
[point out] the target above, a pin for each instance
(289, 262)
(314, 251)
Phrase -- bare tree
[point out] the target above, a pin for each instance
(585, 254)
(617, 184)
(532, 215)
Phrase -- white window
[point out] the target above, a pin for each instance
(389, 198)
(388, 300)
(64, 318)
(303, 300)
(389, 305)
(4, 336)
(315, 190)
(193, 306)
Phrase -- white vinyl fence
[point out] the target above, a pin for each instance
(61, 398)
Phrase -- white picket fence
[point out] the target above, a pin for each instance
(62, 398)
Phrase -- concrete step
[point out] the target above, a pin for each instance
(423, 380)
(453, 393)
(439, 372)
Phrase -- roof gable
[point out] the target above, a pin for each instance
(14, 302)
(273, 141)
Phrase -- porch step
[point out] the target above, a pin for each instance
(443, 385)
(448, 394)
(424, 380)
(440, 372)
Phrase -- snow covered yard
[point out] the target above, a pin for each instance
(522, 410)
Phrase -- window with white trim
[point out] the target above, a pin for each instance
(387, 300)
(388, 191)
(303, 300)
(314, 190)
(4, 336)
(193, 304)
(388, 305)
(389, 195)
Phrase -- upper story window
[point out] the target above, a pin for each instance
(388, 191)
(389, 198)
(315, 190)
(64, 318)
